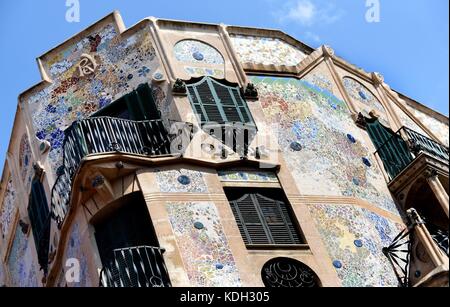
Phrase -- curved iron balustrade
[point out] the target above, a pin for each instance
(399, 252)
(398, 152)
(103, 135)
(135, 267)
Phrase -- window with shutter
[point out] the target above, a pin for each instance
(39, 215)
(263, 217)
(219, 103)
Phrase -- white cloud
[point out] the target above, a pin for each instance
(310, 12)
(312, 36)
(303, 12)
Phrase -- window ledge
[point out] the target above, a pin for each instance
(277, 246)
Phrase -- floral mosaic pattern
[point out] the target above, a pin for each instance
(206, 254)
(266, 51)
(74, 251)
(193, 51)
(440, 129)
(248, 177)
(7, 209)
(329, 162)
(123, 64)
(172, 181)
(20, 262)
(354, 238)
(25, 157)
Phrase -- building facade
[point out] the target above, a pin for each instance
(185, 154)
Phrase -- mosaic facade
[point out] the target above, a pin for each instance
(25, 158)
(8, 208)
(193, 51)
(406, 120)
(354, 238)
(331, 156)
(181, 181)
(75, 251)
(202, 71)
(20, 262)
(439, 129)
(364, 98)
(266, 51)
(123, 64)
(235, 176)
(204, 247)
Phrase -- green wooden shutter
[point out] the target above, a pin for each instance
(215, 102)
(251, 224)
(391, 148)
(39, 214)
(263, 221)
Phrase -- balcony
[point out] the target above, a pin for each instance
(419, 255)
(136, 267)
(103, 135)
(404, 147)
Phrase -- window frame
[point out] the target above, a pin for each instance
(218, 102)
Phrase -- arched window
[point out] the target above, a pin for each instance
(39, 214)
(218, 103)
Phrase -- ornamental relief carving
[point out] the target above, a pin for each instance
(87, 65)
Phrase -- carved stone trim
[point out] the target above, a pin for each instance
(179, 87)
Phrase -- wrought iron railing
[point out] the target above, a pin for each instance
(103, 135)
(135, 267)
(399, 252)
(399, 151)
(439, 236)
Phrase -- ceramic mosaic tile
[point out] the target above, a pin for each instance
(202, 71)
(20, 262)
(123, 64)
(406, 120)
(263, 177)
(2, 275)
(25, 157)
(354, 238)
(74, 250)
(361, 94)
(324, 160)
(440, 129)
(193, 51)
(7, 210)
(181, 181)
(204, 247)
(267, 51)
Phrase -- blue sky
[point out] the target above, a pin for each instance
(409, 46)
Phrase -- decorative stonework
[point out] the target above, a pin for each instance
(22, 270)
(354, 238)
(170, 182)
(328, 162)
(203, 245)
(7, 208)
(266, 51)
(87, 65)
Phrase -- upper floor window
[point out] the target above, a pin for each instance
(137, 105)
(264, 217)
(218, 103)
(39, 214)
